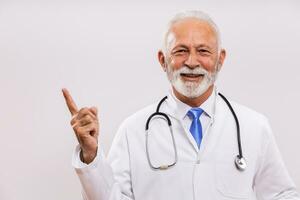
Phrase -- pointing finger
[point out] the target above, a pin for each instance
(70, 102)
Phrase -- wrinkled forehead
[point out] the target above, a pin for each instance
(192, 31)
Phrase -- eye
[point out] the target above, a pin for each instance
(204, 51)
(180, 52)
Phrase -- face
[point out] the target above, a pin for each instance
(192, 59)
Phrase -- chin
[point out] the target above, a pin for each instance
(191, 90)
(192, 95)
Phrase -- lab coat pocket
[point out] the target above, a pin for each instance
(232, 183)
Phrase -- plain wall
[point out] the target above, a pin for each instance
(105, 52)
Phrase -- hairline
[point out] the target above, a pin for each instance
(192, 14)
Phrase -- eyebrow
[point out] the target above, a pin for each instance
(180, 46)
(203, 45)
(197, 46)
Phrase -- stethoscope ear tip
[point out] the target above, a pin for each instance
(240, 163)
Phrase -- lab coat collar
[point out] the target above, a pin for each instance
(178, 109)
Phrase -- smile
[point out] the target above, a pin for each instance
(191, 77)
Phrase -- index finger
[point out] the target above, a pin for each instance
(70, 102)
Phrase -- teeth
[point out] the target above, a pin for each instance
(191, 75)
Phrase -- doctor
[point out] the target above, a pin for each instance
(194, 158)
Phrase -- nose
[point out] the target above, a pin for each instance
(192, 61)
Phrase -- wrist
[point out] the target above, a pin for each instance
(88, 156)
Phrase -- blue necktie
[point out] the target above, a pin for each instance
(196, 128)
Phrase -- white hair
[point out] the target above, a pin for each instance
(197, 14)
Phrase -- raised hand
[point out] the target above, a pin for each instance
(86, 127)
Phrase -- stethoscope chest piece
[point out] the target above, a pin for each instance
(240, 163)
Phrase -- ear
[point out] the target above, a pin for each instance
(162, 60)
(222, 57)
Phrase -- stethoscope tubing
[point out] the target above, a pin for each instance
(238, 134)
(240, 161)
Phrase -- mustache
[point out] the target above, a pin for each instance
(196, 71)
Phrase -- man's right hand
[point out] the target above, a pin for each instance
(86, 127)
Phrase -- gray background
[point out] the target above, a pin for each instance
(105, 53)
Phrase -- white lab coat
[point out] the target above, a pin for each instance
(208, 174)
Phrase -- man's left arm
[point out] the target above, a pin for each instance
(272, 180)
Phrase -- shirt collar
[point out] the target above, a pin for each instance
(181, 109)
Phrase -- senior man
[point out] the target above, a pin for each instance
(200, 154)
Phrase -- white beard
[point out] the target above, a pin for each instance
(188, 88)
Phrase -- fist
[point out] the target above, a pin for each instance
(86, 128)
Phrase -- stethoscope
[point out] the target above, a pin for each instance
(240, 161)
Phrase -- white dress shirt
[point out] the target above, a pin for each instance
(206, 118)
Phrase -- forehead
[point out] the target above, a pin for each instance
(192, 31)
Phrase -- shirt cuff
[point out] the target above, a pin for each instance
(78, 164)
(96, 177)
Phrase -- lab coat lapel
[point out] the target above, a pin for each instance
(170, 109)
(190, 137)
(216, 128)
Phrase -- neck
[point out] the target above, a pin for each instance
(194, 102)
